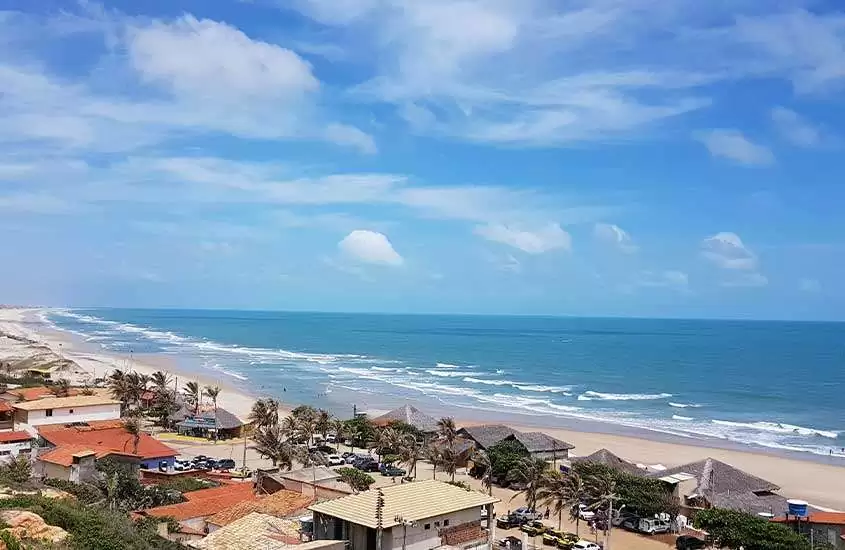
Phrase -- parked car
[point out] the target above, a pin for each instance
(390, 470)
(653, 526)
(335, 460)
(631, 523)
(322, 449)
(526, 514)
(584, 513)
(621, 517)
(511, 542)
(224, 464)
(508, 521)
(687, 542)
(554, 537)
(367, 464)
(533, 528)
(585, 545)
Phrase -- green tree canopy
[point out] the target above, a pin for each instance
(733, 529)
(355, 478)
(504, 456)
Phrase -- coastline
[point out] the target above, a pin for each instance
(800, 475)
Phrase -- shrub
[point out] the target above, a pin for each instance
(188, 484)
(462, 484)
(84, 492)
(358, 480)
(733, 529)
(17, 470)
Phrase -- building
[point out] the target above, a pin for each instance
(538, 444)
(607, 458)
(257, 531)
(76, 463)
(7, 416)
(408, 415)
(820, 527)
(281, 504)
(415, 516)
(66, 410)
(206, 423)
(316, 482)
(14, 443)
(111, 438)
(30, 394)
(710, 483)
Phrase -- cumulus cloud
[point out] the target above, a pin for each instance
(370, 247)
(614, 235)
(351, 136)
(536, 241)
(794, 128)
(727, 251)
(734, 146)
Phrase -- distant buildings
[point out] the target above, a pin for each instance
(538, 444)
(414, 516)
(820, 527)
(407, 414)
(14, 443)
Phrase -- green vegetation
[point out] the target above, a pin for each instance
(359, 431)
(640, 495)
(84, 492)
(504, 457)
(123, 491)
(188, 484)
(731, 529)
(17, 470)
(461, 484)
(355, 478)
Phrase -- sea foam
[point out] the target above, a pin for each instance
(594, 395)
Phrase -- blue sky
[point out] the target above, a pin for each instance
(606, 157)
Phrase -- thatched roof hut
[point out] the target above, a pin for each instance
(409, 415)
(607, 458)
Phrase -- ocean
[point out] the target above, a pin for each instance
(775, 385)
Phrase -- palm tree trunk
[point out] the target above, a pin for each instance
(609, 525)
(578, 525)
(560, 519)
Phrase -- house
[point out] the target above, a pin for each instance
(206, 423)
(607, 458)
(14, 443)
(820, 527)
(7, 416)
(281, 504)
(408, 415)
(110, 437)
(415, 516)
(66, 410)
(76, 463)
(710, 483)
(30, 394)
(200, 506)
(257, 531)
(538, 444)
(317, 482)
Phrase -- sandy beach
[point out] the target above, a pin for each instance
(821, 484)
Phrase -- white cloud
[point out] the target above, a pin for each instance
(733, 145)
(351, 136)
(614, 235)
(370, 247)
(745, 280)
(811, 286)
(794, 128)
(727, 251)
(538, 241)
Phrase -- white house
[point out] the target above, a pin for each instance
(66, 410)
(415, 516)
(14, 443)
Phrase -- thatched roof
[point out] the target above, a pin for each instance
(409, 415)
(205, 419)
(534, 442)
(716, 478)
(487, 435)
(749, 502)
(603, 456)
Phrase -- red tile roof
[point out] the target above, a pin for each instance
(206, 502)
(5, 406)
(280, 504)
(38, 392)
(13, 437)
(824, 518)
(63, 455)
(104, 436)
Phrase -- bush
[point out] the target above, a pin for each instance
(188, 484)
(358, 480)
(641, 495)
(84, 492)
(461, 484)
(504, 457)
(733, 529)
(17, 470)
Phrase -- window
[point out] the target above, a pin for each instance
(25, 450)
(427, 526)
(445, 523)
(48, 412)
(70, 411)
(437, 524)
(4, 453)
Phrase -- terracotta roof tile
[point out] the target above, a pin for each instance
(203, 506)
(106, 437)
(5, 406)
(38, 392)
(12, 437)
(280, 504)
(62, 402)
(63, 455)
(825, 518)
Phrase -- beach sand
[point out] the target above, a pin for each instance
(821, 484)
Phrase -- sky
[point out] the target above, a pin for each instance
(653, 158)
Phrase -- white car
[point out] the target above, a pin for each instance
(585, 545)
(585, 514)
(335, 460)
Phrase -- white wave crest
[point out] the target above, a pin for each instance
(594, 395)
(679, 417)
(683, 405)
(451, 366)
(449, 373)
(776, 427)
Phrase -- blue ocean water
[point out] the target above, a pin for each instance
(772, 384)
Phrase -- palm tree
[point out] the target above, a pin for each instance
(61, 388)
(530, 472)
(112, 489)
(576, 491)
(265, 413)
(409, 453)
(192, 395)
(164, 405)
(290, 427)
(212, 392)
(388, 441)
(132, 425)
(136, 386)
(602, 492)
(322, 422)
(119, 388)
(481, 462)
(433, 455)
(271, 443)
(450, 462)
(161, 381)
(305, 418)
(447, 431)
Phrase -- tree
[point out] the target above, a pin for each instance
(602, 494)
(213, 392)
(304, 420)
(265, 413)
(447, 432)
(17, 470)
(132, 425)
(483, 468)
(359, 431)
(530, 473)
(61, 388)
(192, 395)
(434, 456)
(136, 386)
(409, 453)
(449, 460)
(355, 478)
(388, 441)
(161, 381)
(322, 422)
(120, 388)
(734, 529)
(164, 406)
(554, 494)
(271, 443)
(504, 456)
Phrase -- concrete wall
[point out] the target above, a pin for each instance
(417, 537)
(11, 450)
(54, 470)
(67, 415)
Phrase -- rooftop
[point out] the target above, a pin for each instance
(535, 442)
(205, 503)
(64, 402)
(64, 454)
(714, 477)
(5, 406)
(206, 419)
(409, 415)
(413, 501)
(107, 435)
(280, 504)
(257, 531)
(603, 456)
(14, 437)
(309, 475)
(38, 392)
(823, 518)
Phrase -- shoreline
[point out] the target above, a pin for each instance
(801, 475)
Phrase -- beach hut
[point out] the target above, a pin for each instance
(607, 458)
(538, 444)
(410, 415)
(206, 423)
